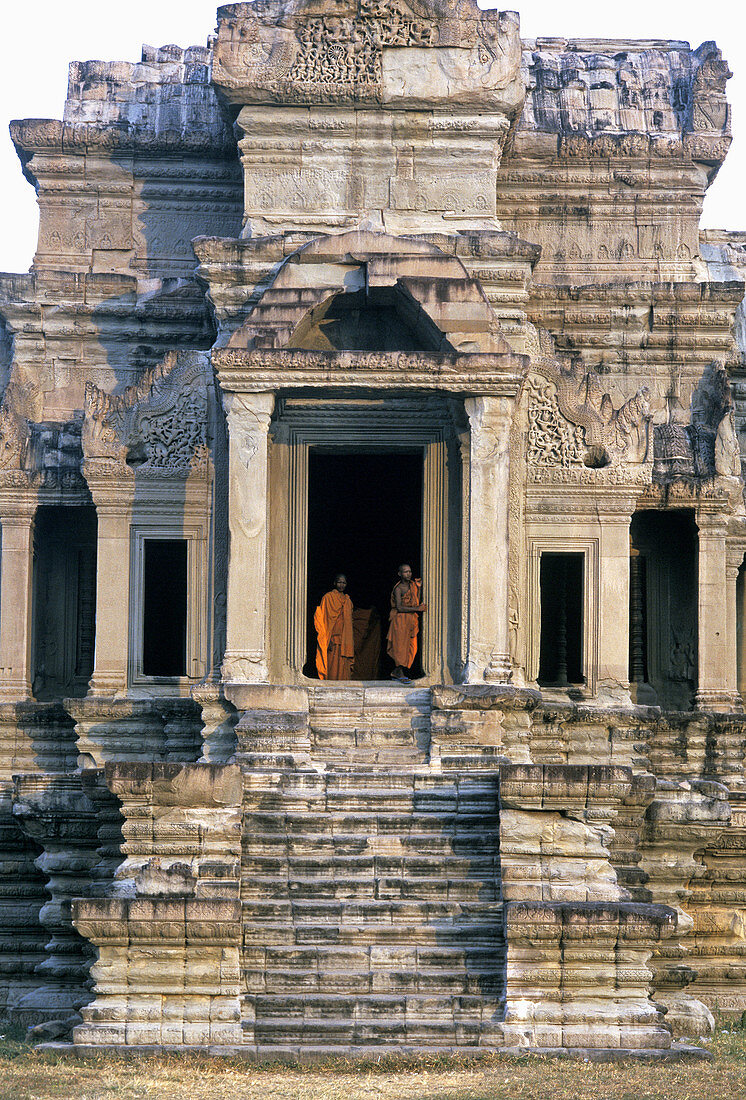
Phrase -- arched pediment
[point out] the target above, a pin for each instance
(430, 292)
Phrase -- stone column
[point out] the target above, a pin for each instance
(17, 521)
(246, 655)
(717, 680)
(110, 666)
(488, 649)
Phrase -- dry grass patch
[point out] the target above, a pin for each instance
(29, 1075)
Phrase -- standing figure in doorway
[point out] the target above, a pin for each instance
(404, 624)
(335, 650)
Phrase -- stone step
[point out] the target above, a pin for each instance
(310, 1007)
(379, 726)
(369, 799)
(414, 822)
(327, 957)
(381, 756)
(372, 698)
(430, 982)
(258, 887)
(371, 896)
(467, 844)
(436, 933)
(382, 807)
(387, 911)
(366, 869)
(358, 775)
(367, 1032)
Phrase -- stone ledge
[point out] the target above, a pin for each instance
(403, 1055)
(574, 920)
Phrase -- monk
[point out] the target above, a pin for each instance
(404, 624)
(335, 650)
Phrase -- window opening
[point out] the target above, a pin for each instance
(561, 647)
(164, 607)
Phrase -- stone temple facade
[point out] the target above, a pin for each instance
(364, 282)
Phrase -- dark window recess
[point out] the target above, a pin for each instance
(164, 608)
(561, 651)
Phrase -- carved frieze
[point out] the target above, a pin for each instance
(286, 368)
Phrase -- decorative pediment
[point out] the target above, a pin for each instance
(157, 428)
(573, 422)
(445, 308)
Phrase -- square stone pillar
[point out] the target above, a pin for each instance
(246, 656)
(110, 666)
(613, 608)
(717, 676)
(17, 521)
(487, 643)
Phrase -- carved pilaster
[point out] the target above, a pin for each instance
(717, 680)
(734, 558)
(614, 602)
(246, 655)
(17, 523)
(488, 655)
(113, 501)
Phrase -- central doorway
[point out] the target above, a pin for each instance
(364, 520)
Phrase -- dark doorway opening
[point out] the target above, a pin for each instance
(663, 608)
(364, 520)
(561, 652)
(64, 596)
(164, 607)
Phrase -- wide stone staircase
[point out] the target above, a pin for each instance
(370, 889)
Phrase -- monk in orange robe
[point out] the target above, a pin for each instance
(335, 650)
(404, 624)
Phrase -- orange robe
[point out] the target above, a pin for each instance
(335, 651)
(404, 626)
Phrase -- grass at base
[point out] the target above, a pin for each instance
(29, 1075)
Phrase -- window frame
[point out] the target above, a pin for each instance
(195, 660)
(590, 549)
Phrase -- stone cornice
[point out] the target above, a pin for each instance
(36, 135)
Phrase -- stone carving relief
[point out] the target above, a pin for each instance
(311, 57)
(13, 438)
(709, 105)
(551, 440)
(641, 92)
(573, 422)
(18, 408)
(704, 443)
(159, 426)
